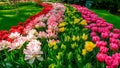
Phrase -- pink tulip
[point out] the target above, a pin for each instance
(101, 44)
(95, 38)
(116, 31)
(109, 66)
(109, 60)
(94, 29)
(110, 26)
(88, 19)
(93, 25)
(101, 57)
(88, 27)
(93, 19)
(100, 30)
(115, 63)
(101, 19)
(113, 40)
(116, 56)
(119, 36)
(103, 49)
(114, 35)
(42, 34)
(98, 21)
(104, 35)
(41, 24)
(114, 46)
(103, 29)
(93, 34)
(103, 24)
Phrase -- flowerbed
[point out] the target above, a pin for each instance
(61, 36)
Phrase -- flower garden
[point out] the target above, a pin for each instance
(61, 36)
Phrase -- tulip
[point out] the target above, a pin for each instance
(114, 46)
(103, 49)
(109, 66)
(115, 63)
(88, 27)
(95, 38)
(104, 35)
(101, 44)
(110, 27)
(94, 29)
(101, 57)
(113, 40)
(93, 25)
(116, 31)
(109, 60)
(114, 35)
(93, 34)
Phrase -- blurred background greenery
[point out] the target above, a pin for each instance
(14, 11)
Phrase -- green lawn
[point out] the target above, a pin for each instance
(108, 17)
(9, 18)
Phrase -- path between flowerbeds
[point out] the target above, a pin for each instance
(56, 33)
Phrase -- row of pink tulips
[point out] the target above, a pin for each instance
(104, 35)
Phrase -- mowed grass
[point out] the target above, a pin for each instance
(108, 17)
(10, 18)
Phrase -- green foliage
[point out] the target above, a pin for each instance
(112, 5)
(25, 3)
(8, 7)
(4, 7)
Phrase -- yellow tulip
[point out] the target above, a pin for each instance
(78, 38)
(73, 45)
(52, 43)
(84, 52)
(76, 21)
(58, 57)
(51, 66)
(62, 24)
(73, 38)
(84, 37)
(83, 22)
(62, 29)
(55, 47)
(89, 46)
